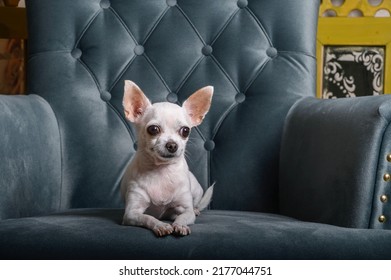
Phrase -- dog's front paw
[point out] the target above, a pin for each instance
(197, 212)
(162, 229)
(181, 229)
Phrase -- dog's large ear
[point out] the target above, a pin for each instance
(135, 102)
(198, 104)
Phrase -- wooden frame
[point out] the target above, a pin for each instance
(363, 31)
(13, 23)
(13, 27)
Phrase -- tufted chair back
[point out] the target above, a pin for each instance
(258, 54)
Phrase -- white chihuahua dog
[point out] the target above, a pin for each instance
(157, 184)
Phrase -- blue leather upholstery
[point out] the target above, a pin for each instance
(339, 148)
(30, 161)
(170, 49)
(260, 57)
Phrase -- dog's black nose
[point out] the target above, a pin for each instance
(172, 147)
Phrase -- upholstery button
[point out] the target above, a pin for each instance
(76, 53)
(171, 3)
(207, 50)
(105, 95)
(382, 218)
(105, 4)
(387, 177)
(209, 145)
(389, 157)
(242, 4)
(240, 97)
(172, 97)
(271, 52)
(138, 50)
(384, 198)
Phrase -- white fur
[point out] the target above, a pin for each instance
(157, 184)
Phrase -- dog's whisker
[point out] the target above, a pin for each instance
(187, 156)
(191, 141)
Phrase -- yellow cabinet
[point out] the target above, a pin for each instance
(354, 48)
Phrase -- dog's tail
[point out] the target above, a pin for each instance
(206, 198)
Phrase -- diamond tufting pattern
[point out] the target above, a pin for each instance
(171, 48)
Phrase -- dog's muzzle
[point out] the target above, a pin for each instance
(168, 151)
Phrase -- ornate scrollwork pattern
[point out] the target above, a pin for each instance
(373, 61)
(353, 71)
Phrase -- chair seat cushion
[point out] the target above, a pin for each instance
(98, 234)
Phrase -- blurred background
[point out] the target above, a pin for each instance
(13, 37)
(353, 48)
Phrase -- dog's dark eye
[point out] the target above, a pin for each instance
(184, 131)
(153, 130)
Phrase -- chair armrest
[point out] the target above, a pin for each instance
(333, 159)
(30, 157)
